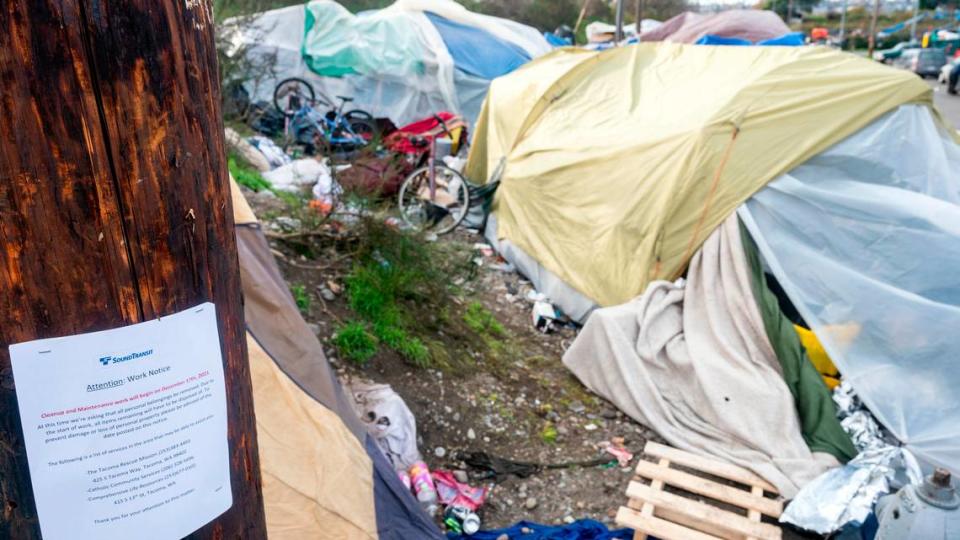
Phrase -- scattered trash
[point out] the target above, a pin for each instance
(423, 487)
(440, 451)
(459, 519)
(388, 421)
(544, 316)
(454, 493)
(624, 457)
(405, 478)
(485, 249)
(298, 174)
(326, 191)
(274, 155)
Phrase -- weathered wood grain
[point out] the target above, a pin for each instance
(114, 203)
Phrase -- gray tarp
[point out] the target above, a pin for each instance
(694, 363)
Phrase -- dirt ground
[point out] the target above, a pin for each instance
(505, 407)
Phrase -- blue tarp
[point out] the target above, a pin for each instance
(584, 529)
(477, 52)
(556, 41)
(793, 39)
(718, 40)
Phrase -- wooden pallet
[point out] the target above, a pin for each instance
(669, 516)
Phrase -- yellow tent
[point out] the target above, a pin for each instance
(620, 163)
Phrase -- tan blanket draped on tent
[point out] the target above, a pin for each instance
(694, 363)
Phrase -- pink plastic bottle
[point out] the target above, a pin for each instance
(424, 487)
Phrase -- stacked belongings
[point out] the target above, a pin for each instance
(621, 176)
(403, 62)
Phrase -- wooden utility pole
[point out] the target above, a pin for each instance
(872, 38)
(115, 205)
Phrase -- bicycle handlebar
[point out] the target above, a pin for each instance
(443, 125)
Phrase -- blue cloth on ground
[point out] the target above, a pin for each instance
(476, 51)
(583, 529)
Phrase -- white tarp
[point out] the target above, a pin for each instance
(390, 88)
(865, 239)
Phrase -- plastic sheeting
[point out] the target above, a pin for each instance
(477, 52)
(793, 39)
(750, 24)
(393, 62)
(865, 239)
(337, 43)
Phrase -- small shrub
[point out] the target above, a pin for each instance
(247, 176)
(301, 297)
(355, 343)
(481, 320)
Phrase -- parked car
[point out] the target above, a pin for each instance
(923, 62)
(944, 76)
(887, 56)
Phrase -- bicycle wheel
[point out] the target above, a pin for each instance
(291, 94)
(357, 114)
(439, 212)
(364, 129)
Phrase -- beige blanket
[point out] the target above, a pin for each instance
(693, 363)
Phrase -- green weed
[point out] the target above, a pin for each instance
(245, 175)
(481, 320)
(549, 433)
(355, 343)
(301, 297)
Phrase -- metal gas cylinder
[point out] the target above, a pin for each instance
(928, 511)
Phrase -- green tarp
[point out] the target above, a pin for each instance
(818, 414)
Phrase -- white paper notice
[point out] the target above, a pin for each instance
(126, 429)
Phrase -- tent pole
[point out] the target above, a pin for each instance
(583, 13)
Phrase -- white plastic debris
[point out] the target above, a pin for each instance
(275, 155)
(297, 174)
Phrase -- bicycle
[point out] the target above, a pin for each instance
(334, 130)
(436, 197)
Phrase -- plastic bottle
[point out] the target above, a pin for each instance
(405, 478)
(424, 487)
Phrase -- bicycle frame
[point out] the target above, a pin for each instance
(326, 126)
